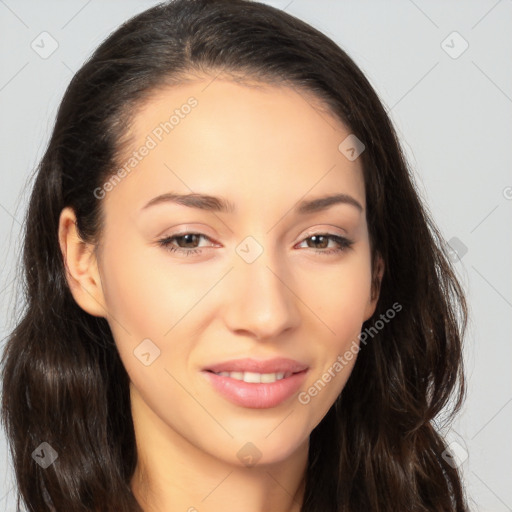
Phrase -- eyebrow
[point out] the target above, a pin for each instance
(221, 205)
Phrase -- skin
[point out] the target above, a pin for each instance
(264, 148)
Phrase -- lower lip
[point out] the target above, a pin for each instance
(256, 395)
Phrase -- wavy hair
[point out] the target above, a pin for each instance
(63, 381)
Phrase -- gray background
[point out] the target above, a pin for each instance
(452, 110)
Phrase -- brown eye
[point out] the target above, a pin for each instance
(184, 243)
(320, 243)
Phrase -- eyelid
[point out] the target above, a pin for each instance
(180, 234)
(324, 229)
(185, 229)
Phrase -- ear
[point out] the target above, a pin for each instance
(378, 272)
(80, 261)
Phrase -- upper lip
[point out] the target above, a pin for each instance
(276, 365)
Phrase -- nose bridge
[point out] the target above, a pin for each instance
(261, 301)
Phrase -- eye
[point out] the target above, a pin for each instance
(188, 240)
(322, 241)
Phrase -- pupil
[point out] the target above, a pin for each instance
(188, 238)
(317, 238)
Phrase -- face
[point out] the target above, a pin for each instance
(231, 314)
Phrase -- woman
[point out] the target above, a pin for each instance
(235, 298)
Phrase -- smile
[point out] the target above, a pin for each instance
(256, 390)
(255, 378)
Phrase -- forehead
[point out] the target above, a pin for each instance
(241, 141)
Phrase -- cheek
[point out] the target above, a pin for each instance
(150, 296)
(132, 297)
(339, 296)
(340, 306)
(147, 295)
(148, 301)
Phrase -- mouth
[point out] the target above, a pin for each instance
(257, 384)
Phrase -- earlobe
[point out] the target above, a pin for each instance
(378, 272)
(81, 265)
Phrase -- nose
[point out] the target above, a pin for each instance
(261, 302)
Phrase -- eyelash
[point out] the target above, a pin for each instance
(343, 243)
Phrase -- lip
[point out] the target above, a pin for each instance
(278, 364)
(257, 395)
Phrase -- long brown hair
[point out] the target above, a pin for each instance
(63, 381)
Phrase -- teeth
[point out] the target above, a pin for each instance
(252, 377)
(255, 378)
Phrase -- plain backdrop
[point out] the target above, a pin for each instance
(443, 69)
